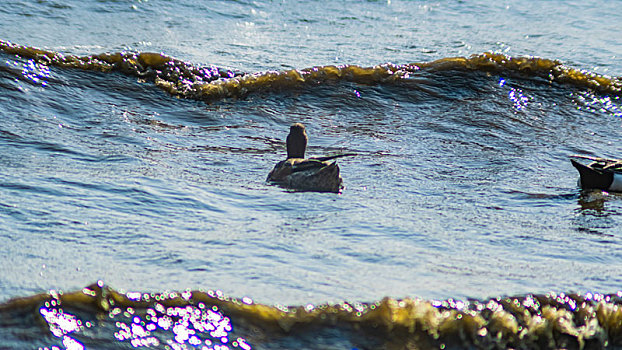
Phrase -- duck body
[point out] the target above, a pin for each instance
(602, 173)
(320, 174)
(313, 174)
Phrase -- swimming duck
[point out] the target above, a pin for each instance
(312, 174)
(602, 173)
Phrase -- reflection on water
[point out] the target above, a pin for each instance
(595, 214)
(592, 201)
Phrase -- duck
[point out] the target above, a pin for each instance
(602, 173)
(317, 174)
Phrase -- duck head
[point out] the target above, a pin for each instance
(296, 141)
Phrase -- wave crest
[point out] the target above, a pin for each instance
(212, 83)
(548, 321)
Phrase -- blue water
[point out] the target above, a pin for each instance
(462, 187)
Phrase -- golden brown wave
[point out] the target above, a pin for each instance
(550, 321)
(210, 83)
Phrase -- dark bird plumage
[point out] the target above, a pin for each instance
(602, 173)
(296, 141)
(299, 173)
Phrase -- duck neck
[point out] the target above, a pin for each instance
(296, 146)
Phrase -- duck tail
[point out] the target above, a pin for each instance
(591, 178)
(323, 159)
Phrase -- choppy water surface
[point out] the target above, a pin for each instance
(147, 171)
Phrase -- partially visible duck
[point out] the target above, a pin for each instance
(602, 173)
(312, 174)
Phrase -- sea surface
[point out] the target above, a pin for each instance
(136, 137)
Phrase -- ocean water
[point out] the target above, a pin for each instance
(136, 138)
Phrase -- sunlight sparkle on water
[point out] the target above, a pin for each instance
(61, 324)
(516, 96)
(599, 103)
(32, 71)
(205, 328)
